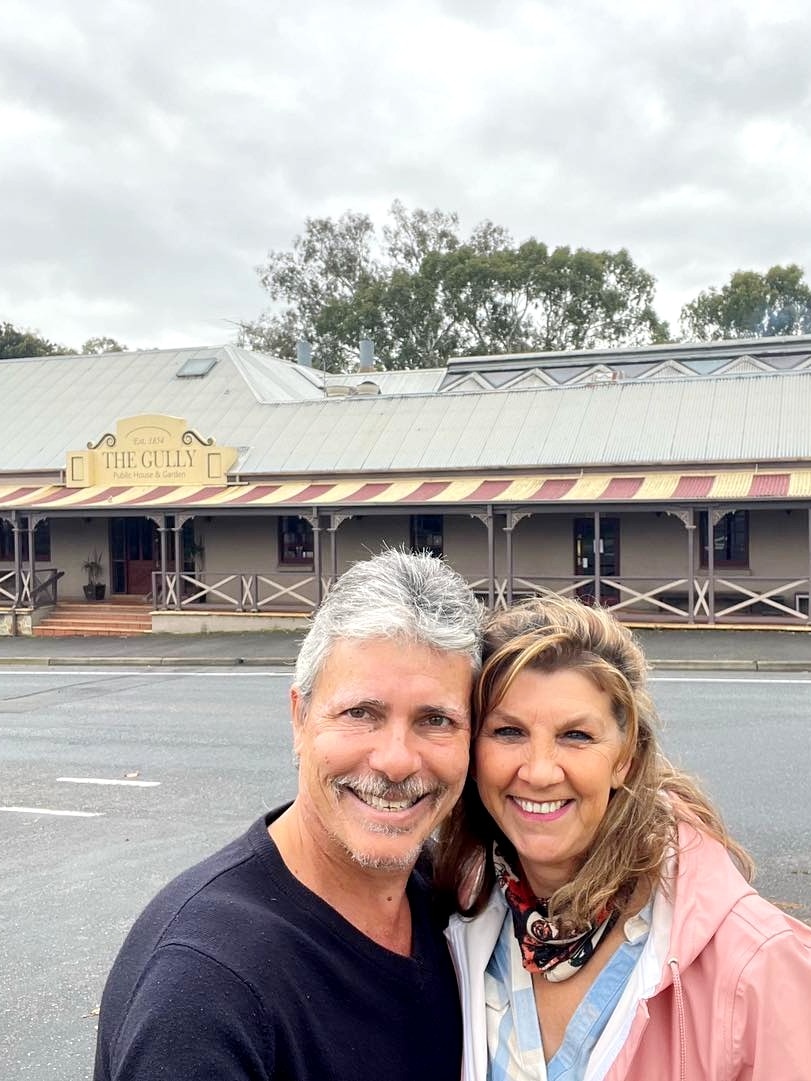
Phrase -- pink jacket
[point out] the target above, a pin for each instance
(722, 991)
(734, 1003)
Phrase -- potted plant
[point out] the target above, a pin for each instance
(94, 590)
(193, 553)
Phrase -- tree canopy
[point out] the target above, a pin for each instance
(15, 342)
(424, 293)
(102, 345)
(751, 305)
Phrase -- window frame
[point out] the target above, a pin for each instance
(728, 525)
(42, 542)
(304, 530)
(419, 529)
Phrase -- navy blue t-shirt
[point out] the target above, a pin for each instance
(236, 970)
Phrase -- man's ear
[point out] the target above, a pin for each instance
(298, 714)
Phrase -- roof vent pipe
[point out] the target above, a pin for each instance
(304, 354)
(367, 355)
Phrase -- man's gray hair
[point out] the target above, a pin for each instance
(397, 594)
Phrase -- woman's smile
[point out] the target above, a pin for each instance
(549, 811)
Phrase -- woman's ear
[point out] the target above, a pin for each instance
(620, 772)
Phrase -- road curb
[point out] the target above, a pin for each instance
(703, 665)
(147, 662)
(784, 666)
(661, 664)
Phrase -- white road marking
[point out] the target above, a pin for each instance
(49, 811)
(722, 679)
(108, 780)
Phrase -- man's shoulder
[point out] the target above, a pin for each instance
(209, 899)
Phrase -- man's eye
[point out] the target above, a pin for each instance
(438, 720)
(358, 713)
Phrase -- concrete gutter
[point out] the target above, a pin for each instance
(703, 664)
(147, 662)
(706, 665)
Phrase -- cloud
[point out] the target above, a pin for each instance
(159, 150)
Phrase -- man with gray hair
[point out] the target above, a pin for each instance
(307, 950)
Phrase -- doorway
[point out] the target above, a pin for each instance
(134, 555)
(584, 564)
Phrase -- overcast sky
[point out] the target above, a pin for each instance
(152, 151)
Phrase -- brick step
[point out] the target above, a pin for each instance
(89, 617)
(100, 609)
(92, 619)
(104, 631)
(142, 624)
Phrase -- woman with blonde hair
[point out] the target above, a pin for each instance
(605, 925)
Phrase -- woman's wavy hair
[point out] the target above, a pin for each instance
(560, 634)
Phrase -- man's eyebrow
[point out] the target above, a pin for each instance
(452, 711)
(348, 701)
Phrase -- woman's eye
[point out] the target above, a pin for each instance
(577, 735)
(506, 731)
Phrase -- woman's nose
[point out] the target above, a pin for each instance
(540, 768)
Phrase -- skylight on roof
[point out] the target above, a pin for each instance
(196, 367)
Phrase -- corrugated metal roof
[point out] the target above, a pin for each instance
(54, 404)
(793, 345)
(698, 358)
(726, 419)
(275, 380)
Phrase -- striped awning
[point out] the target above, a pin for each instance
(607, 488)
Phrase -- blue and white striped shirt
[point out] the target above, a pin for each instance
(515, 1047)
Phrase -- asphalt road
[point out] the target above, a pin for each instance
(214, 747)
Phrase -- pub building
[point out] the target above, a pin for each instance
(213, 489)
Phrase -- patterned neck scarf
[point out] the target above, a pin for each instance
(544, 948)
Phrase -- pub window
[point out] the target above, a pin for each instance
(730, 539)
(295, 541)
(42, 542)
(6, 541)
(426, 533)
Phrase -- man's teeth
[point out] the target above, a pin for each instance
(378, 804)
(540, 808)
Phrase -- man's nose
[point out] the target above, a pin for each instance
(395, 753)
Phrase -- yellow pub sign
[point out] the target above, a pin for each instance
(148, 450)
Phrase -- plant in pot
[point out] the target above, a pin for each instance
(94, 590)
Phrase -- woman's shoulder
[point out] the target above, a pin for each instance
(765, 923)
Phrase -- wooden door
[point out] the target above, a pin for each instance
(584, 562)
(135, 555)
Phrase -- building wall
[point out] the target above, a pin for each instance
(234, 547)
(365, 535)
(237, 544)
(73, 540)
(778, 544)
